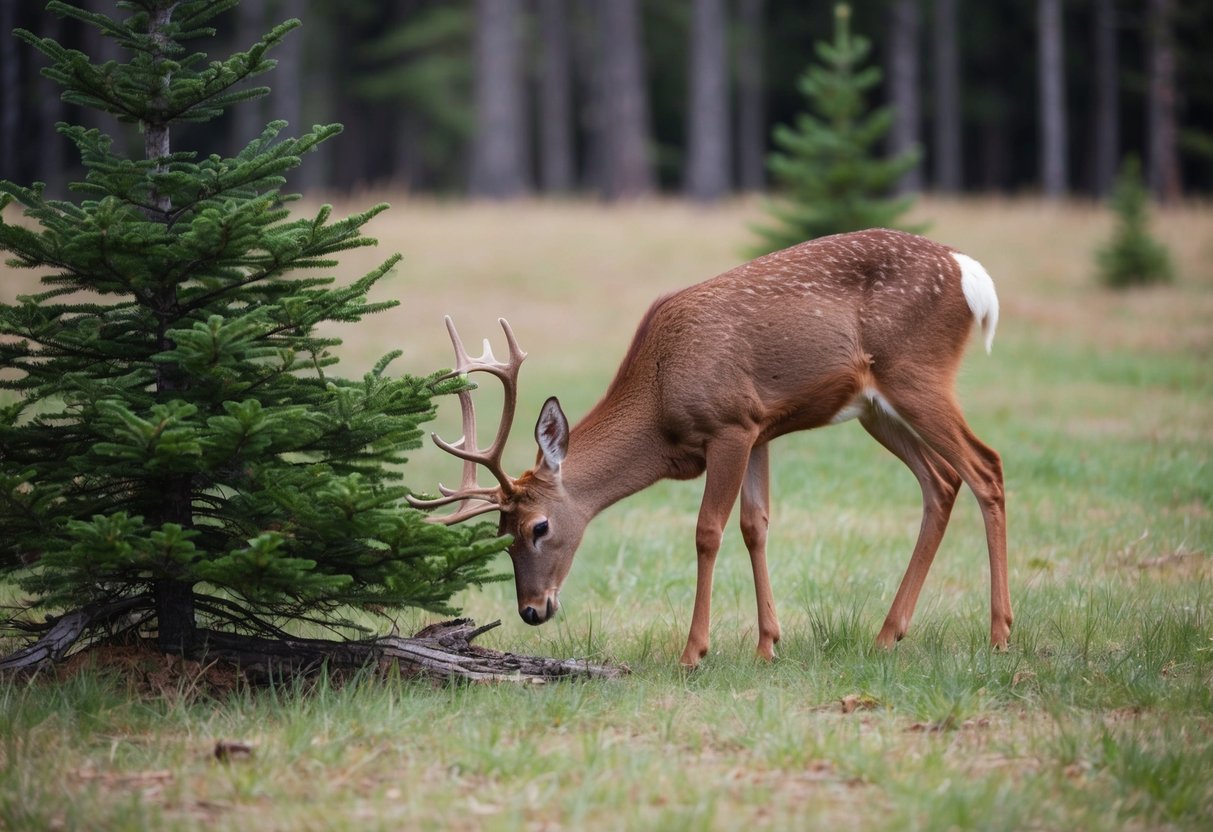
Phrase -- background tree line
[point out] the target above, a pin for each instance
(622, 98)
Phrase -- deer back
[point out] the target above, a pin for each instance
(787, 340)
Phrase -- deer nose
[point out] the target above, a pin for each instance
(533, 617)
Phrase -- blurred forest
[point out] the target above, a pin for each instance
(626, 98)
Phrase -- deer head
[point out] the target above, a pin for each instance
(545, 524)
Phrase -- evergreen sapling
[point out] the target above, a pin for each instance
(827, 167)
(175, 450)
(1132, 257)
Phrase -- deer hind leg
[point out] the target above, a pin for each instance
(755, 508)
(937, 420)
(939, 483)
(727, 459)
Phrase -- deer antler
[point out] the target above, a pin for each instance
(479, 499)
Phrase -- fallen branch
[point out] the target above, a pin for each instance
(444, 650)
(63, 632)
(440, 650)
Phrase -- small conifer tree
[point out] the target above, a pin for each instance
(828, 167)
(177, 445)
(1132, 257)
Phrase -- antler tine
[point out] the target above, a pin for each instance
(451, 495)
(461, 355)
(473, 509)
(516, 353)
(466, 448)
(509, 379)
(468, 412)
(487, 362)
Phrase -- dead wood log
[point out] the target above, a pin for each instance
(63, 632)
(442, 651)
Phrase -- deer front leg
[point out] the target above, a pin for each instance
(755, 508)
(727, 457)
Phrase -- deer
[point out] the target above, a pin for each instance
(869, 325)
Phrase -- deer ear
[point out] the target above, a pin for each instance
(552, 434)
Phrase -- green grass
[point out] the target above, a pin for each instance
(1099, 716)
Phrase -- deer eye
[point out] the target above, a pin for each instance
(539, 530)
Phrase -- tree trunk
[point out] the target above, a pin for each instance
(623, 111)
(499, 148)
(903, 86)
(247, 119)
(949, 164)
(100, 49)
(555, 99)
(994, 147)
(751, 110)
(51, 166)
(1051, 77)
(589, 95)
(707, 171)
(286, 101)
(1162, 132)
(11, 100)
(1105, 121)
(326, 77)
(174, 599)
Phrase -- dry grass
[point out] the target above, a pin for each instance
(580, 269)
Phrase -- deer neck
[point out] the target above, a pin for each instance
(615, 451)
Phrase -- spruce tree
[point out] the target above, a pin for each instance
(178, 450)
(1132, 257)
(827, 166)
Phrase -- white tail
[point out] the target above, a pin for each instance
(979, 291)
(869, 326)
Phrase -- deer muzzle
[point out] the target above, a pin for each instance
(539, 612)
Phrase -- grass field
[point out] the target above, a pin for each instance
(1099, 716)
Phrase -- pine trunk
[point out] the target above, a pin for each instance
(591, 98)
(1105, 119)
(499, 164)
(50, 164)
(247, 122)
(623, 119)
(1051, 76)
(346, 167)
(1162, 130)
(10, 102)
(174, 599)
(100, 50)
(751, 115)
(949, 163)
(287, 101)
(903, 83)
(707, 172)
(555, 99)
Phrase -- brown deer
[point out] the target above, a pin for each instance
(870, 325)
